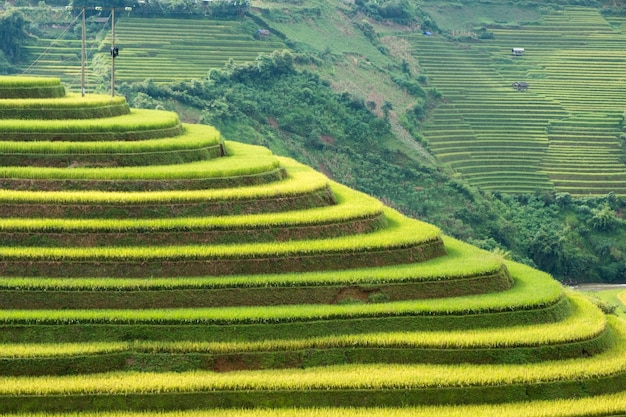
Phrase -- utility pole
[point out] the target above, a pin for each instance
(113, 52)
(82, 59)
(114, 49)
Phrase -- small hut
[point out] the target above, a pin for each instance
(262, 34)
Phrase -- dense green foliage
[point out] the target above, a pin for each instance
(397, 10)
(12, 37)
(186, 8)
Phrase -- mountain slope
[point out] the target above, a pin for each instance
(218, 275)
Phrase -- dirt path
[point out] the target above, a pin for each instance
(598, 287)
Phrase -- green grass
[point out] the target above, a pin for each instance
(458, 17)
(611, 298)
(328, 31)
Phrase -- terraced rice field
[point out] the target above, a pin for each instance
(249, 281)
(562, 133)
(166, 50)
(62, 58)
(163, 50)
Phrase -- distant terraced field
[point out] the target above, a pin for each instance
(167, 50)
(163, 50)
(562, 133)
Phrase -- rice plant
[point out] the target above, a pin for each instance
(351, 205)
(71, 100)
(27, 81)
(136, 120)
(331, 378)
(517, 298)
(301, 180)
(241, 160)
(600, 405)
(462, 260)
(209, 139)
(586, 322)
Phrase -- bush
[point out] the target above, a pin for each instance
(603, 218)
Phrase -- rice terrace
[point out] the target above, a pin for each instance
(152, 266)
(563, 132)
(296, 291)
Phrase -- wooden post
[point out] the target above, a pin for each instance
(112, 52)
(82, 59)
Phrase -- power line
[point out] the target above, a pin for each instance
(27, 70)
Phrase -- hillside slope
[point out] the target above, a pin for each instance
(561, 134)
(381, 72)
(149, 265)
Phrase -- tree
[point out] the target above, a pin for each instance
(396, 9)
(99, 3)
(547, 249)
(603, 218)
(386, 107)
(12, 35)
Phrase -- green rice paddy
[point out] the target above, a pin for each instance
(311, 299)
